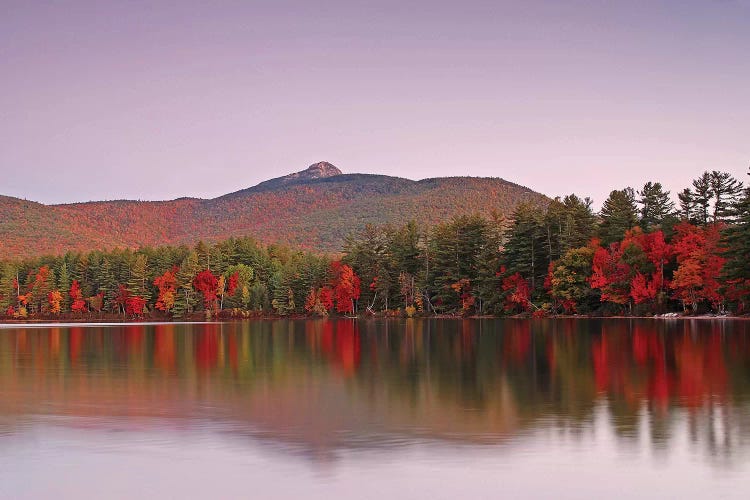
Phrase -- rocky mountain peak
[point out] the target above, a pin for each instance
(318, 171)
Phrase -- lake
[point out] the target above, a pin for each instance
(345, 408)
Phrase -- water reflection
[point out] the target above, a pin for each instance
(319, 387)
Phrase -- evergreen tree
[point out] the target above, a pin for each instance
(139, 283)
(701, 196)
(726, 191)
(489, 277)
(241, 296)
(83, 276)
(367, 252)
(656, 207)
(258, 297)
(737, 242)
(456, 249)
(187, 298)
(618, 214)
(569, 223)
(283, 301)
(8, 286)
(63, 284)
(687, 205)
(405, 248)
(526, 249)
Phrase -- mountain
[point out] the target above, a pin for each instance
(320, 170)
(315, 208)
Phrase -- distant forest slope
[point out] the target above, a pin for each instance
(315, 208)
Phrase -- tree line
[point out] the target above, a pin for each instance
(641, 254)
(235, 277)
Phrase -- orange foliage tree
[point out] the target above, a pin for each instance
(167, 285)
(700, 263)
(54, 298)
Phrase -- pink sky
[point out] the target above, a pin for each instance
(104, 100)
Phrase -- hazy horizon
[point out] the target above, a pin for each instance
(104, 101)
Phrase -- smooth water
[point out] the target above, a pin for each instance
(377, 409)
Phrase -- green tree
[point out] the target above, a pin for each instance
(726, 191)
(570, 281)
(657, 208)
(8, 288)
(701, 195)
(140, 281)
(186, 298)
(736, 274)
(526, 249)
(618, 214)
(456, 250)
(63, 284)
(687, 206)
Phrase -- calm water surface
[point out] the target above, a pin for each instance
(377, 409)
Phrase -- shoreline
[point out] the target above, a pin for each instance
(42, 322)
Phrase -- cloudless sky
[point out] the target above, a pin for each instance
(157, 100)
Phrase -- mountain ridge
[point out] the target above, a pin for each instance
(314, 208)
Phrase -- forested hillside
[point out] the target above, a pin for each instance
(315, 209)
(640, 255)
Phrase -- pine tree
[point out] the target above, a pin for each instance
(186, 299)
(726, 191)
(283, 296)
(618, 214)
(489, 278)
(736, 274)
(687, 205)
(526, 252)
(579, 225)
(456, 249)
(656, 206)
(63, 284)
(139, 281)
(701, 197)
(8, 286)
(367, 253)
(82, 274)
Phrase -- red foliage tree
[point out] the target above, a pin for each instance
(234, 280)
(517, 293)
(700, 263)
(134, 305)
(326, 297)
(463, 288)
(76, 297)
(643, 289)
(345, 285)
(121, 299)
(611, 274)
(208, 285)
(648, 280)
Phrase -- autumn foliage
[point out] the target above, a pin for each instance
(700, 262)
(345, 284)
(167, 285)
(76, 297)
(208, 285)
(547, 258)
